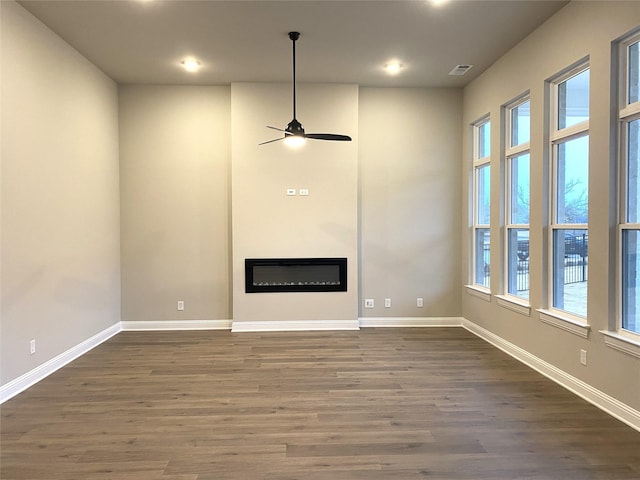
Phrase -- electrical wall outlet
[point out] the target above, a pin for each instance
(583, 357)
(180, 305)
(32, 346)
(420, 302)
(368, 303)
(387, 303)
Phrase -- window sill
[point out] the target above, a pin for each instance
(480, 292)
(566, 323)
(621, 343)
(515, 304)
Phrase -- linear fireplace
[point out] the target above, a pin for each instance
(295, 275)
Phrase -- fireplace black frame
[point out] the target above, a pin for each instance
(251, 263)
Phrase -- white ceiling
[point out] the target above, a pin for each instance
(143, 41)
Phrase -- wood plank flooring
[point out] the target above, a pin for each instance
(392, 404)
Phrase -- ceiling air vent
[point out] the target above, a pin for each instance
(460, 69)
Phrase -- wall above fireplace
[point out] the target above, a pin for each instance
(270, 223)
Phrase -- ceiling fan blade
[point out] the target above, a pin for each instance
(271, 141)
(328, 136)
(276, 128)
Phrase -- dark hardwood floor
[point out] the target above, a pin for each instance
(397, 404)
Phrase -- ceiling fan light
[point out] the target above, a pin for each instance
(190, 64)
(294, 141)
(393, 68)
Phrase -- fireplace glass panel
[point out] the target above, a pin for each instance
(296, 275)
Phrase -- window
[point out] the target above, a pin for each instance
(568, 270)
(517, 198)
(481, 203)
(629, 113)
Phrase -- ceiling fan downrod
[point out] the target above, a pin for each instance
(293, 36)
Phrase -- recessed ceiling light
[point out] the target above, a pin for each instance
(393, 68)
(438, 3)
(190, 64)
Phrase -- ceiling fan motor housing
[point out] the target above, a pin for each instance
(295, 128)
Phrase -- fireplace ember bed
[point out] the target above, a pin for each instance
(295, 275)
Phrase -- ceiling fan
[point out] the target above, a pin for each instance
(294, 134)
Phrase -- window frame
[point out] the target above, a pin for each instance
(627, 113)
(512, 152)
(571, 321)
(478, 164)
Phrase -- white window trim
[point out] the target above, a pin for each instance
(623, 66)
(479, 291)
(622, 343)
(619, 338)
(553, 316)
(477, 163)
(478, 226)
(569, 133)
(565, 321)
(506, 299)
(630, 110)
(554, 82)
(619, 333)
(515, 304)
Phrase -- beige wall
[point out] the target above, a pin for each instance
(60, 219)
(174, 181)
(579, 30)
(177, 199)
(267, 222)
(410, 143)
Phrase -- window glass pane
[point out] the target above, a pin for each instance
(483, 192)
(484, 140)
(631, 280)
(570, 271)
(573, 100)
(633, 162)
(520, 124)
(482, 260)
(518, 262)
(572, 180)
(634, 72)
(519, 194)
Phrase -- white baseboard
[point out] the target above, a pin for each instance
(14, 387)
(176, 325)
(613, 407)
(294, 325)
(397, 322)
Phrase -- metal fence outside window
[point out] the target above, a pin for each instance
(575, 262)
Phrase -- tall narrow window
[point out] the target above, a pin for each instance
(517, 199)
(569, 189)
(630, 204)
(481, 203)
